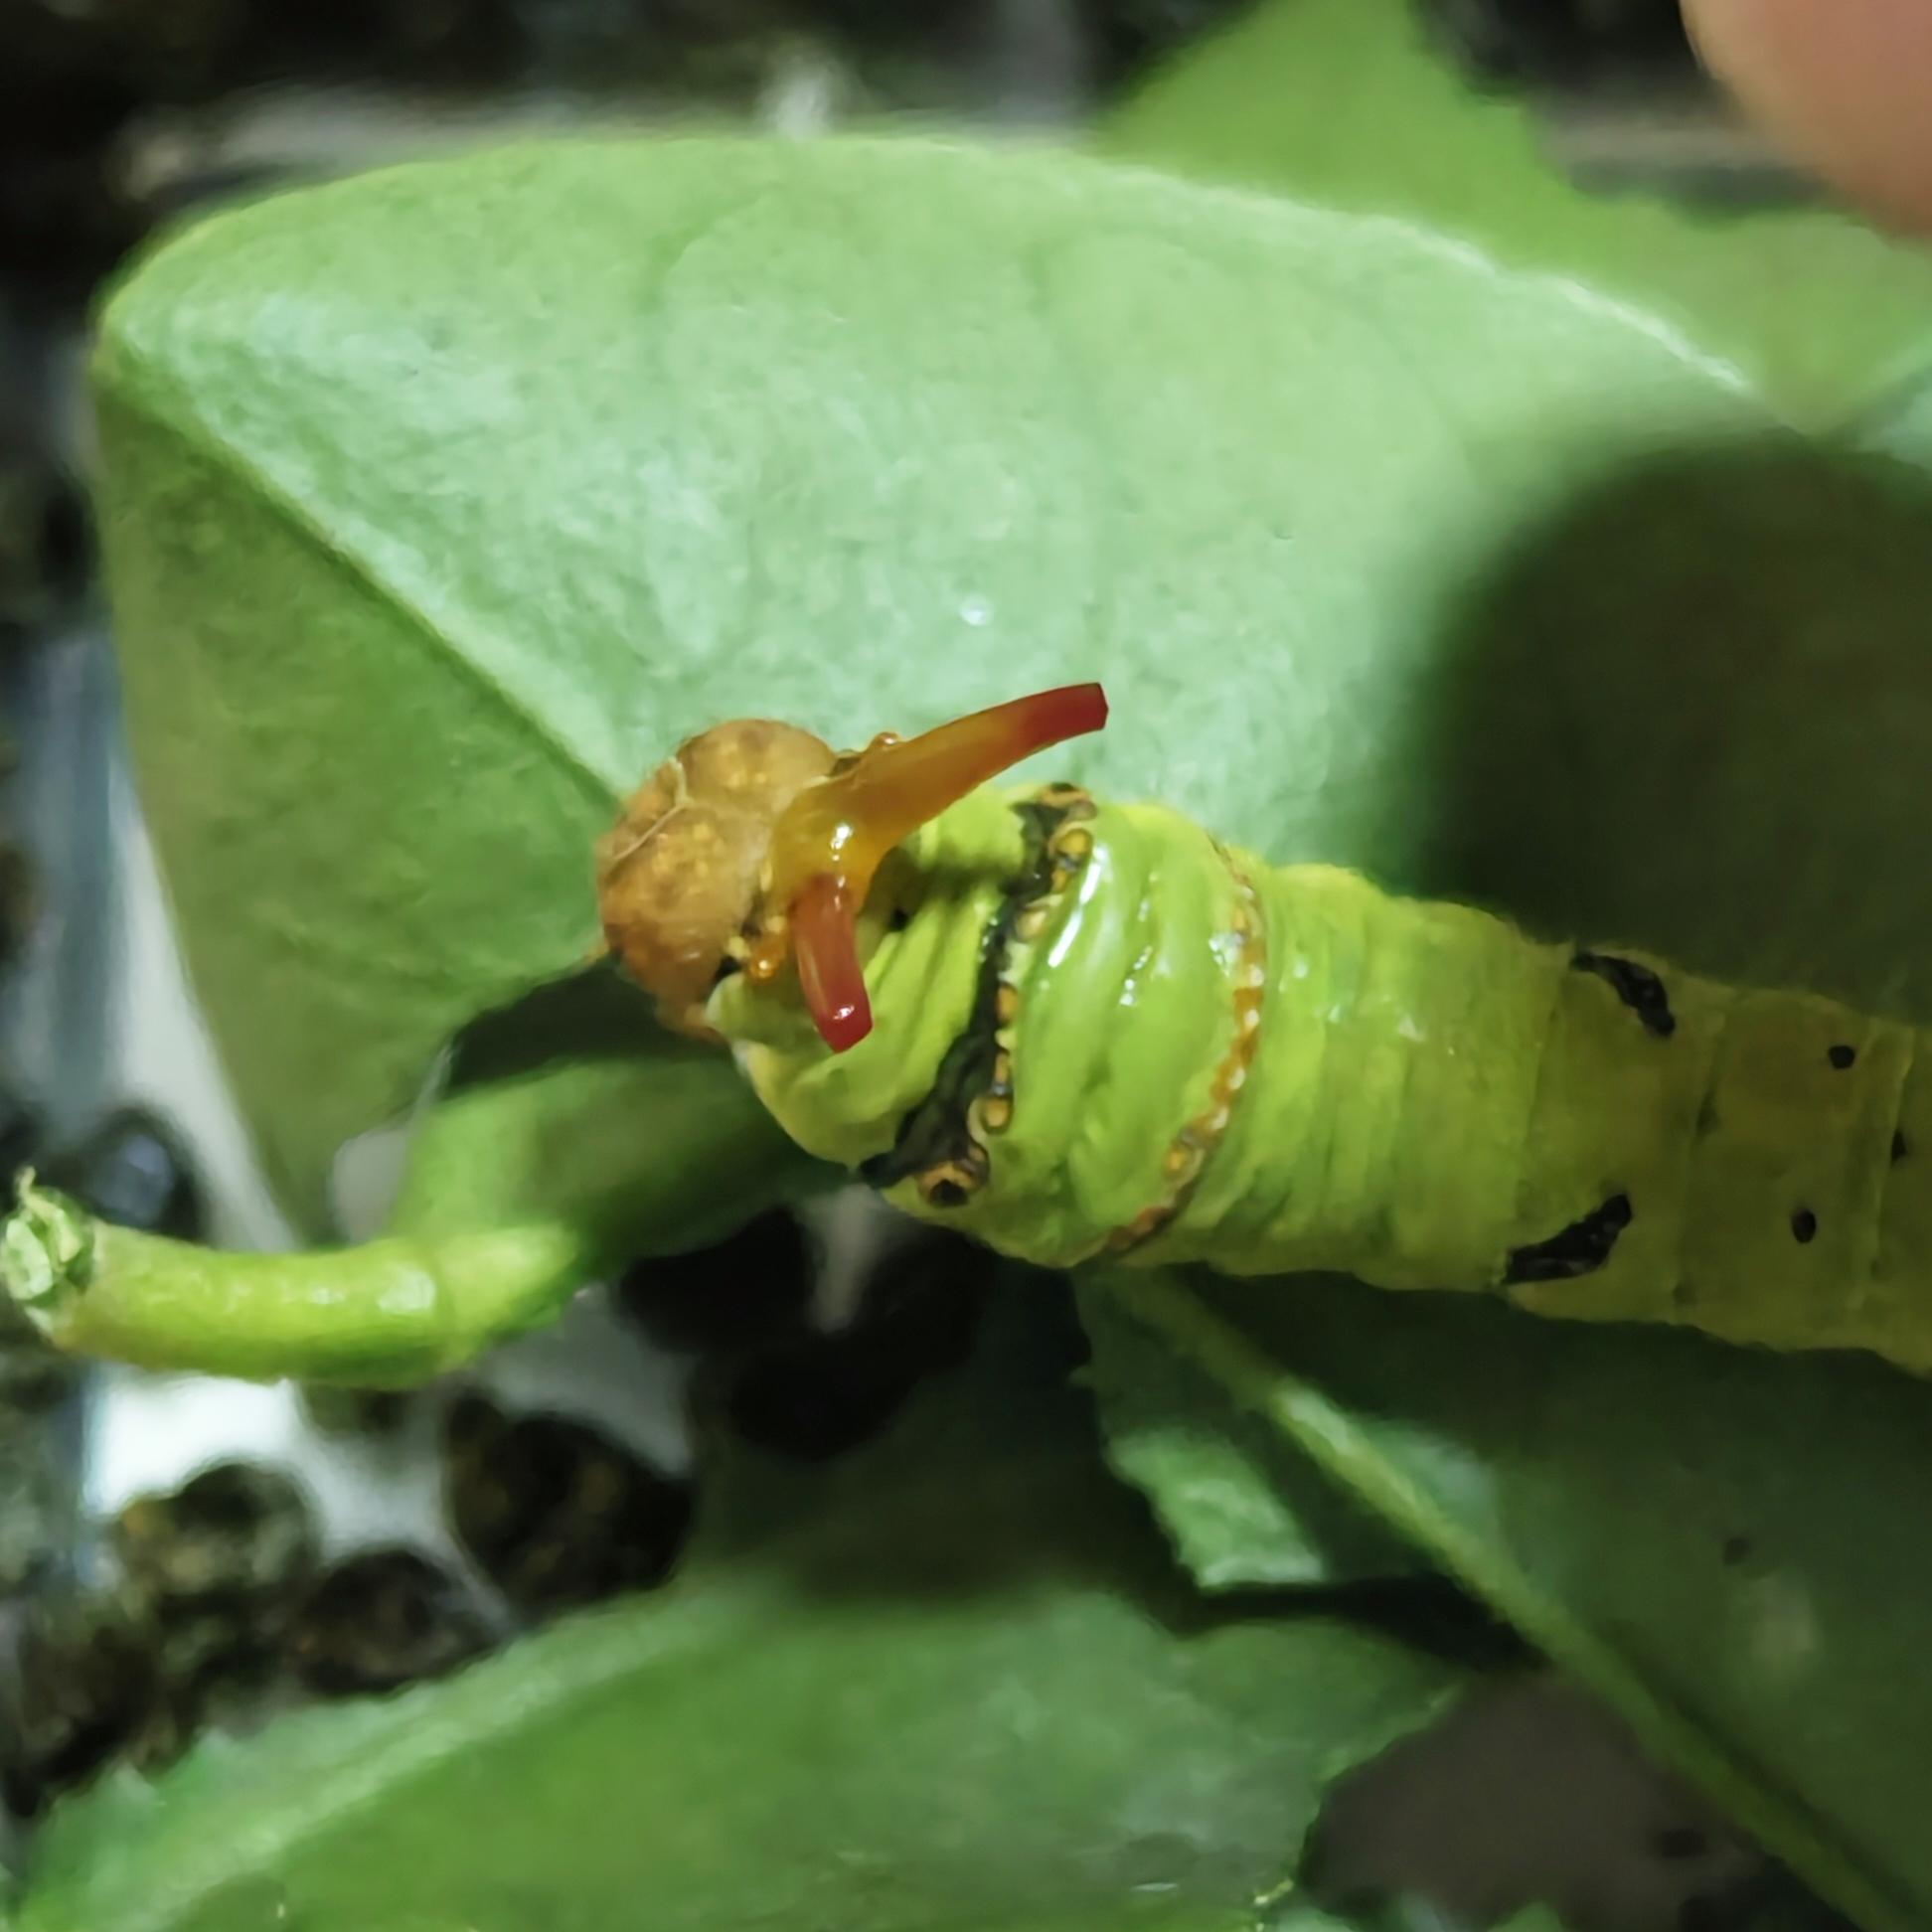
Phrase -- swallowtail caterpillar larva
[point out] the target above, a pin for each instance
(1076, 1029)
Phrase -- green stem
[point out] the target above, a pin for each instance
(389, 1313)
(521, 1189)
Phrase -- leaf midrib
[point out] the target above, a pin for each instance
(1755, 1798)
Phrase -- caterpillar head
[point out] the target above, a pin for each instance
(754, 844)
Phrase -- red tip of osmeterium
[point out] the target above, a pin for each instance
(848, 822)
(1052, 716)
(825, 941)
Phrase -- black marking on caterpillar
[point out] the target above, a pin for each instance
(1637, 987)
(1842, 1057)
(1804, 1224)
(1900, 1149)
(935, 1138)
(1579, 1249)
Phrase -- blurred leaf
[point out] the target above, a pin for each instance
(949, 1682)
(1720, 1540)
(440, 503)
(1352, 104)
(1399, 1915)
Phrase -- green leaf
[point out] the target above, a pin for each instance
(1243, 1508)
(440, 503)
(1691, 711)
(1721, 1542)
(1350, 102)
(1401, 1915)
(949, 1682)
(1475, 580)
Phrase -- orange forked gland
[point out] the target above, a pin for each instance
(832, 838)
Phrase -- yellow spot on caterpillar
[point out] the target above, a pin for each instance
(1073, 802)
(949, 1183)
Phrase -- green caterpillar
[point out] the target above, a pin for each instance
(1095, 1030)
(1077, 1030)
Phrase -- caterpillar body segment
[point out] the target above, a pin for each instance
(1098, 1033)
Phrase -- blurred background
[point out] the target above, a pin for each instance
(316, 1552)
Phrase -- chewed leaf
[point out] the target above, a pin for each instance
(1721, 1542)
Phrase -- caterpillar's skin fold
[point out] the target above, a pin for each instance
(1097, 1031)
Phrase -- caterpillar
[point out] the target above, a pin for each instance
(1076, 1029)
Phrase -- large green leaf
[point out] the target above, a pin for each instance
(1389, 557)
(948, 1683)
(1724, 1542)
(1350, 102)
(439, 503)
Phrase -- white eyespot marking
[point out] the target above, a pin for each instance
(977, 611)
(1409, 1029)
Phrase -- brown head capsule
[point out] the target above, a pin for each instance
(677, 874)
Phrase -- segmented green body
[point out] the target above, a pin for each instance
(1097, 1031)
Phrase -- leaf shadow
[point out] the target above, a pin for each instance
(594, 1013)
(991, 1484)
(1691, 709)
